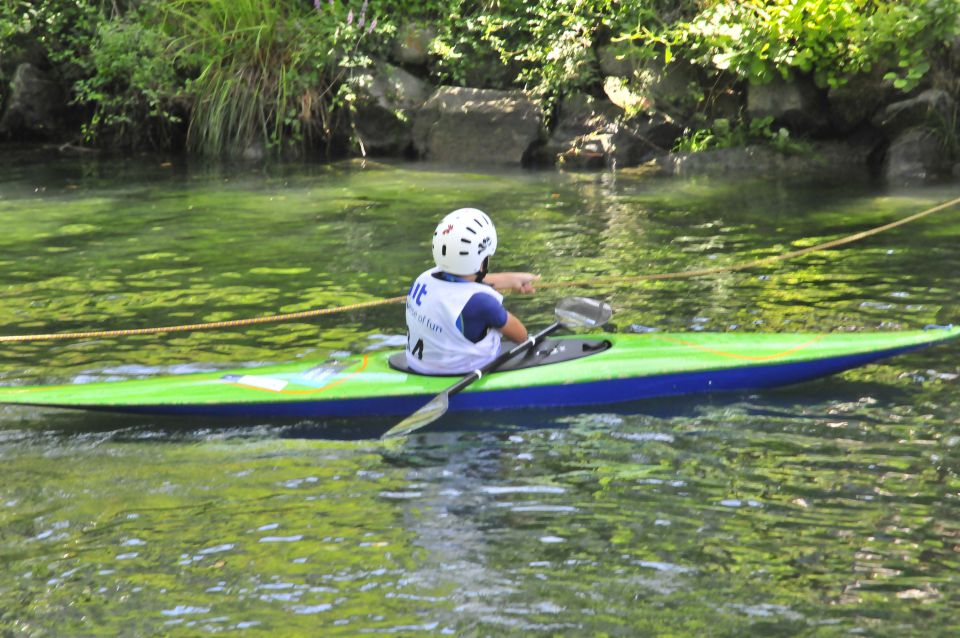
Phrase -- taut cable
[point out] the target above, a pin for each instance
(306, 314)
(756, 263)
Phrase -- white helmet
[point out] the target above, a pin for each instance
(463, 239)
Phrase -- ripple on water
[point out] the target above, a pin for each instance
(824, 508)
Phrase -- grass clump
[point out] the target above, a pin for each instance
(266, 72)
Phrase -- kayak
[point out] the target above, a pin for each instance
(559, 372)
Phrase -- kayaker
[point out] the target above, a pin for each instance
(455, 313)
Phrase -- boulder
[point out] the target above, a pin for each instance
(581, 114)
(640, 140)
(648, 82)
(795, 104)
(477, 126)
(620, 145)
(932, 105)
(915, 155)
(387, 98)
(35, 107)
(856, 102)
(621, 93)
(762, 161)
(582, 136)
(412, 44)
(590, 151)
(617, 59)
(592, 133)
(675, 87)
(725, 103)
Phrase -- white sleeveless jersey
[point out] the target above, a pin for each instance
(434, 343)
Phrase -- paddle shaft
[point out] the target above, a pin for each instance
(501, 359)
(571, 311)
(438, 406)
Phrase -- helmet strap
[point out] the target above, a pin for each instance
(484, 269)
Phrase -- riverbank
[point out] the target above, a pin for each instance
(680, 87)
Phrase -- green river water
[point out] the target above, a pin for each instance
(825, 509)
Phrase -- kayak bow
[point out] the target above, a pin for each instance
(565, 371)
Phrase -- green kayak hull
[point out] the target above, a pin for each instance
(630, 367)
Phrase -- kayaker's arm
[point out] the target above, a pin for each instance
(513, 281)
(514, 330)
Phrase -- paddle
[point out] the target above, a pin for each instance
(571, 312)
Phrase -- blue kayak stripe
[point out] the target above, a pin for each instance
(606, 391)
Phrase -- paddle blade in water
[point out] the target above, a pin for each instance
(582, 312)
(424, 416)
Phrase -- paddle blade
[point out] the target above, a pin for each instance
(426, 415)
(582, 312)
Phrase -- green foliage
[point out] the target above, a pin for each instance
(248, 71)
(61, 29)
(698, 140)
(464, 54)
(758, 40)
(906, 35)
(724, 134)
(828, 39)
(272, 72)
(267, 71)
(131, 87)
(112, 63)
(554, 44)
(546, 47)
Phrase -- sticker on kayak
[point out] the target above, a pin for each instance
(253, 381)
(320, 375)
(316, 377)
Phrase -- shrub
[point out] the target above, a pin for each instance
(829, 39)
(264, 70)
(273, 71)
(550, 45)
(131, 89)
(724, 134)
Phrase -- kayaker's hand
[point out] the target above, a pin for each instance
(521, 282)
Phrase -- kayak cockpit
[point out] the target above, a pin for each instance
(547, 352)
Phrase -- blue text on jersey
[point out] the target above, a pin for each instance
(417, 291)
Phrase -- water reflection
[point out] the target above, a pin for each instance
(827, 508)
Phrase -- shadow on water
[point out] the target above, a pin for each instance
(806, 401)
(133, 427)
(138, 427)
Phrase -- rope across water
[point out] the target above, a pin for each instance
(596, 281)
